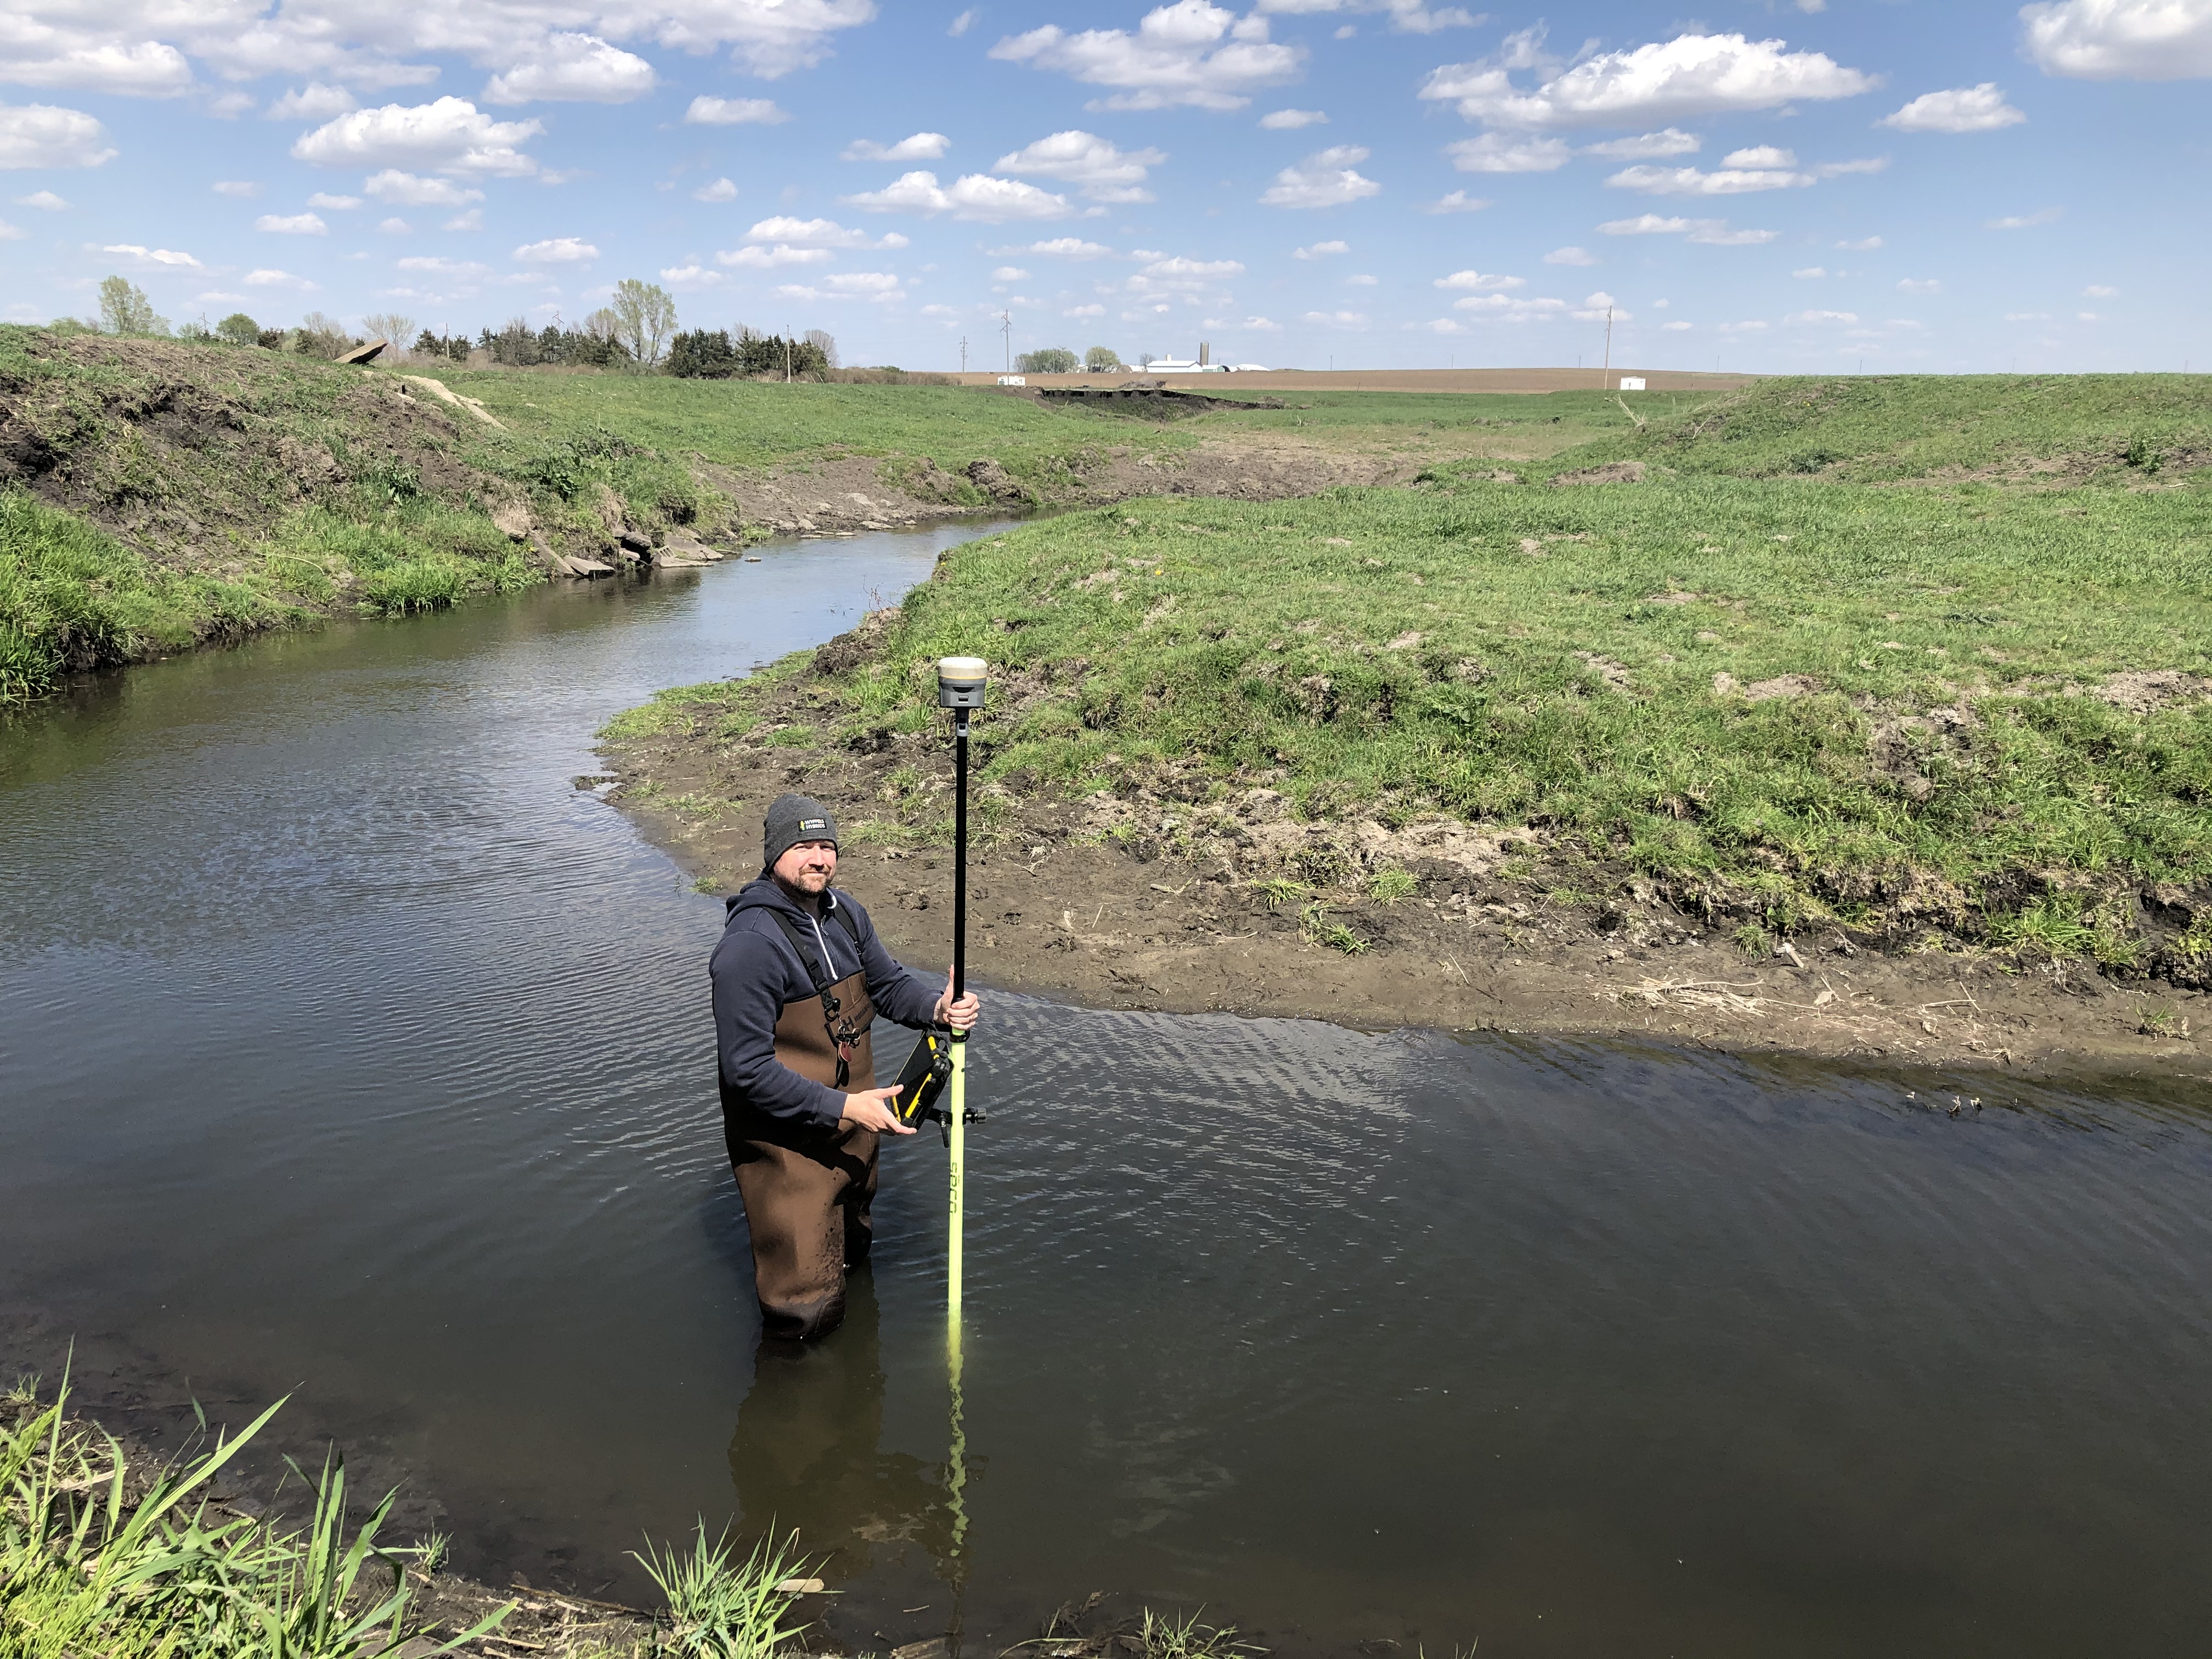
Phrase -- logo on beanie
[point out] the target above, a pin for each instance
(814, 823)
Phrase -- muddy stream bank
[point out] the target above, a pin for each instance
(350, 1048)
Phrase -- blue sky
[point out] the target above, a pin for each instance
(1792, 186)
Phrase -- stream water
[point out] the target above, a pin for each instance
(346, 1047)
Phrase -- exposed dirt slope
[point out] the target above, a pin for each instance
(188, 453)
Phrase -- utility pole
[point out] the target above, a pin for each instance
(1605, 380)
(786, 359)
(963, 354)
(1006, 328)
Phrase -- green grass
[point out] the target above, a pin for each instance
(1577, 660)
(72, 598)
(720, 1607)
(1884, 429)
(1546, 419)
(98, 1557)
(747, 427)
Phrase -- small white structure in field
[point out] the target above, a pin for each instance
(1014, 380)
(1632, 383)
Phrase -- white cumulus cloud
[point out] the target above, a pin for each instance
(1289, 120)
(244, 190)
(974, 195)
(817, 233)
(2122, 40)
(1406, 16)
(313, 102)
(691, 277)
(1714, 232)
(880, 286)
(915, 147)
(1328, 177)
(1963, 109)
(1694, 181)
(323, 198)
(572, 68)
(1457, 201)
(1057, 247)
(449, 136)
(1689, 76)
(44, 136)
(1919, 285)
(1182, 276)
(1569, 255)
(1190, 53)
(1648, 146)
(45, 57)
(293, 224)
(2023, 220)
(403, 189)
(1804, 318)
(706, 112)
(142, 47)
(774, 257)
(556, 251)
(1349, 320)
(722, 190)
(268, 278)
(1095, 166)
(1495, 152)
(151, 259)
(1509, 308)
(1320, 250)
(44, 199)
(2098, 291)
(1478, 281)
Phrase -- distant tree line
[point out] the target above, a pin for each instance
(1059, 359)
(635, 329)
(716, 354)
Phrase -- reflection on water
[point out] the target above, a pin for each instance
(345, 1046)
(808, 1452)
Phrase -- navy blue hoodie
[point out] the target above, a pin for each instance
(755, 972)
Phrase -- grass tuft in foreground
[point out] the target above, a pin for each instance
(721, 1607)
(99, 1557)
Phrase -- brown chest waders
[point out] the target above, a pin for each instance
(807, 1187)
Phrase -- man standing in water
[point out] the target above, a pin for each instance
(799, 977)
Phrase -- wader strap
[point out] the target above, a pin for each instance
(843, 1034)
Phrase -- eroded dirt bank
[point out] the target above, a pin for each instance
(857, 493)
(1082, 900)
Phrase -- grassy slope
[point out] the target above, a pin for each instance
(748, 427)
(157, 495)
(1885, 429)
(1549, 657)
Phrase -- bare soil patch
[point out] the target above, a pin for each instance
(848, 496)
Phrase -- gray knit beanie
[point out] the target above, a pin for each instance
(792, 819)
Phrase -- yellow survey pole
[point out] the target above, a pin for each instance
(960, 682)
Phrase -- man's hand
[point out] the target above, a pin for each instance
(871, 1109)
(961, 1016)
